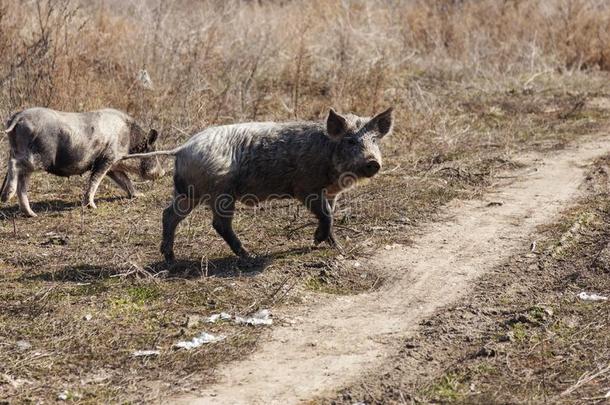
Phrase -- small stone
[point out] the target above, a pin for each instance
(495, 203)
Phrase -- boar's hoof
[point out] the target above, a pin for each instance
(89, 204)
(170, 257)
(249, 261)
(320, 235)
(245, 255)
(30, 214)
(325, 236)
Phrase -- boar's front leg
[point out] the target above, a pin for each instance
(123, 181)
(223, 209)
(98, 171)
(320, 206)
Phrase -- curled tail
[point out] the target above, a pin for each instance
(156, 153)
(12, 122)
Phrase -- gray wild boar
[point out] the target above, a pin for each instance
(66, 144)
(254, 162)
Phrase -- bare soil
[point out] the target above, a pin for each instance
(332, 342)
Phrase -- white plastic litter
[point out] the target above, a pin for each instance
(216, 317)
(262, 317)
(23, 345)
(591, 297)
(197, 341)
(145, 353)
(63, 396)
(144, 79)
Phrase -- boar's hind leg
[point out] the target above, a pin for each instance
(122, 180)
(98, 172)
(333, 203)
(179, 209)
(223, 210)
(9, 186)
(321, 208)
(23, 181)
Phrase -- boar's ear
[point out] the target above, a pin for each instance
(152, 137)
(382, 123)
(336, 125)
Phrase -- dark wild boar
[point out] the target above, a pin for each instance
(253, 162)
(66, 144)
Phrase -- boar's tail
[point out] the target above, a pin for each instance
(11, 123)
(156, 153)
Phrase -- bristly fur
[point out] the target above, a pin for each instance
(257, 161)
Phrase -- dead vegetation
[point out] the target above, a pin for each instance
(472, 82)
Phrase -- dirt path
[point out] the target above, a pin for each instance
(335, 340)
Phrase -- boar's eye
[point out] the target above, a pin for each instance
(352, 141)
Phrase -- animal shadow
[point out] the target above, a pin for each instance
(230, 266)
(220, 267)
(54, 205)
(79, 273)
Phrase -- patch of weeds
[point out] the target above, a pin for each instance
(484, 368)
(321, 284)
(518, 331)
(143, 294)
(448, 389)
(122, 306)
(539, 314)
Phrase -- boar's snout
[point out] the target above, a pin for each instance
(371, 168)
(151, 169)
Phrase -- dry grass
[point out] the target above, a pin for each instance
(473, 84)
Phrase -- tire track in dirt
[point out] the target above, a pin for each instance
(335, 340)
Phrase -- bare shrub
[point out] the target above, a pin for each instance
(215, 61)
